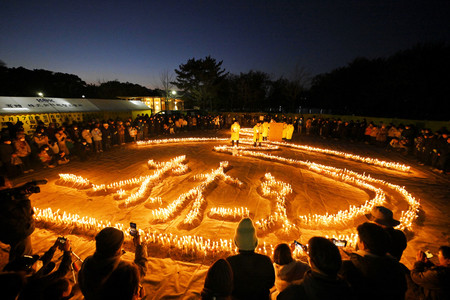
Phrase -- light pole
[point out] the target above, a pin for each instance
(40, 94)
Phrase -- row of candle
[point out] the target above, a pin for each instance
(235, 214)
(349, 176)
(175, 165)
(367, 160)
(75, 181)
(192, 245)
(179, 140)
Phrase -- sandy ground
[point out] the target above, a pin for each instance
(312, 193)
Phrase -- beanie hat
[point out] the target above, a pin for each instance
(245, 237)
(109, 240)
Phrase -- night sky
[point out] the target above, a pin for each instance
(135, 41)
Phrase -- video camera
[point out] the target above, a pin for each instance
(25, 189)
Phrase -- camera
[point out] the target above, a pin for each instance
(62, 240)
(133, 230)
(28, 188)
(304, 248)
(339, 243)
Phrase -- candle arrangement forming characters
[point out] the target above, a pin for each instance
(197, 247)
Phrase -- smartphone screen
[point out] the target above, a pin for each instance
(133, 229)
(340, 243)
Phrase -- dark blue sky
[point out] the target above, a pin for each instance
(136, 40)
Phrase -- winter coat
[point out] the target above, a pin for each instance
(398, 242)
(235, 128)
(22, 148)
(87, 136)
(253, 275)
(97, 134)
(289, 131)
(266, 127)
(435, 280)
(6, 151)
(292, 273)
(96, 269)
(374, 277)
(16, 217)
(257, 134)
(317, 286)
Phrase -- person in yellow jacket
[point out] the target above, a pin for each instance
(289, 131)
(257, 134)
(284, 132)
(235, 128)
(265, 130)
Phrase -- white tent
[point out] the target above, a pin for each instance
(33, 105)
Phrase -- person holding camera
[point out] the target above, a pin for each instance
(98, 268)
(16, 219)
(433, 279)
(38, 270)
(322, 280)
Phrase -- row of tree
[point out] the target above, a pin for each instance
(409, 84)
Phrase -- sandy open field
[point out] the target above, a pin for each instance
(174, 274)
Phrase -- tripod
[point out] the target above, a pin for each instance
(73, 264)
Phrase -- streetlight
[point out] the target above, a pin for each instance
(173, 95)
(40, 94)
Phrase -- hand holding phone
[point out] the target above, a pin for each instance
(133, 229)
(304, 248)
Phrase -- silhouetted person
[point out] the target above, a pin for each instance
(253, 274)
(322, 281)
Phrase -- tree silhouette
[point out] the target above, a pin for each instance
(200, 80)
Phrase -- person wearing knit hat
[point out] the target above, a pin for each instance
(384, 217)
(253, 273)
(97, 268)
(245, 237)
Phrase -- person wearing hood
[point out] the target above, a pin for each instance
(287, 270)
(253, 273)
(322, 280)
(97, 268)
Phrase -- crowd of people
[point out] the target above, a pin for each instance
(371, 270)
(50, 146)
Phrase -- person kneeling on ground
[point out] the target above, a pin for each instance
(287, 270)
(434, 280)
(97, 268)
(253, 273)
(322, 281)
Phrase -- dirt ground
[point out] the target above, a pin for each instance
(169, 278)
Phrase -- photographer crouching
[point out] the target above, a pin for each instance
(16, 216)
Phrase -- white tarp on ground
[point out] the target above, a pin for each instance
(33, 105)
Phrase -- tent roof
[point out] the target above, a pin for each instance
(28, 105)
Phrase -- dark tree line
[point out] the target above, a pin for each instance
(24, 82)
(411, 84)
